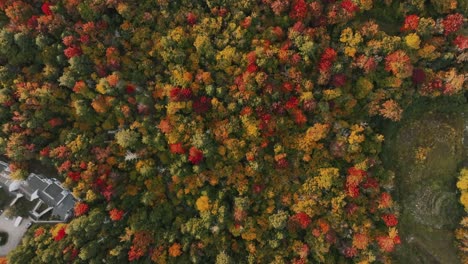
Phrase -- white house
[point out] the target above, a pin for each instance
(49, 194)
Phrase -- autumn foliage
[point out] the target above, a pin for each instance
(220, 131)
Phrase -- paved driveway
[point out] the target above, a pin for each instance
(15, 234)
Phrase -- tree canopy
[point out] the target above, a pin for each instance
(220, 131)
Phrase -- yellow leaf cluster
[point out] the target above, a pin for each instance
(312, 135)
(306, 96)
(413, 41)
(454, 81)
(356, 137)
(174, 107)
(331, 94)
(251, 127)
(90, 196)
(462, 185)
(350, 51)
(306, 204)
(177, 34)
(249, 234)
(338, 203)
(102, 87)
(76, 145)
(326, 177)
(226, 57)
(421, 154)
(203, 203)
(390, 43)
(350, 38)
(366, 4)
(428, 52)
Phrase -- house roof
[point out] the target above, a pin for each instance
(64, 209)
(3, 166)
(54, 192)
(32, 184)
(37, 182)
(48, 190)
(4, 179)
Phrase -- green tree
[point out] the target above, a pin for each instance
(127, 138)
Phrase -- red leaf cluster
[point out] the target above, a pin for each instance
(180, 94)
(302, 219)
(195, 155)
(390, 220)
(411, 23)
(461, 42)
(349, 6)
(354, 178)
(81, 208)
(72, 51)
(327, 59)
(177, 148)
(452, 23)
(299, 10)
(191, 19)
(74, 175)
(202, 105)
(387, 244)
(116, 214)
(60, 234)
(46, 9)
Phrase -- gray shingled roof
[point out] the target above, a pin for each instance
(5, 180)
(52, 193)
(49, 191)
(66, 206)
(33, 183)
(4, 177)
(3, 166)
(36, 182)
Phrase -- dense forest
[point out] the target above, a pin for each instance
(220, 131)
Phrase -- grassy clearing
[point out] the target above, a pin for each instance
(425, 151)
